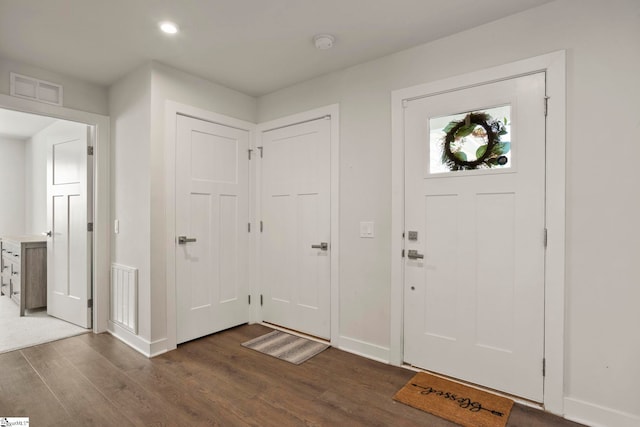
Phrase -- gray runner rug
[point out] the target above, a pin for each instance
(286, 347)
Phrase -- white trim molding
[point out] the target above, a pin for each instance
(334, 112)
(141, 345)
(553, 64)
(596, 415)
(101, 237)
(171, 110)
(364, 349)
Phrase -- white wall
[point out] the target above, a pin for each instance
(12, 200)
(129, 108)
(77, 94)
(603, 236)
(35, 170)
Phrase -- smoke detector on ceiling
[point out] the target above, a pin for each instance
(324, 41)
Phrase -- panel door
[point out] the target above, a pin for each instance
(212, 213)
(474, 285)
(69, 241)
(295, 242)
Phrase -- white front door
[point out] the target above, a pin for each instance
(474, 266)
(69, 242)
(295, 242)
(212, 214)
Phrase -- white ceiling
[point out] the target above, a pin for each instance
(254, 46)
(17, 125)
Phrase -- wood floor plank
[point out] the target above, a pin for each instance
(296, 392)
(98, 380)
(137, 404)
(240, 396)
(24, 394)
(327, 374)
(75, 392)
(184, 387)
(312, 380)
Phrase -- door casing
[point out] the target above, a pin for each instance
(172, 110)
(553, 65)
(101, 248)
(332, 111)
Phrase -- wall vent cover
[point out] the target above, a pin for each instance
(35, 89)
(124, 297)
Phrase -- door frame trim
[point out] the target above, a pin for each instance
(172, 110)
(101, 257)
(554, 65)
(333, 111)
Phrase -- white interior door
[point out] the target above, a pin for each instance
(68, 206)
(212, 213)
(295, 242)
(474, 304)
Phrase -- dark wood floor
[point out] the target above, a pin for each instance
(97, 380)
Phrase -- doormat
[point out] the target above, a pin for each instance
(455, 402)
(286, 347)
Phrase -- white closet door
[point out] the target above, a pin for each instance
(212, 213)
(295, 242)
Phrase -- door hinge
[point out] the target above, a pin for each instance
(249, 227)
(261, 226)
(261, 300)
(544, 367)
(249, 299)
(250, 151)
(90, 150)
(405, 103)
(403, 253)
(90, 303)
(260, 148)
(545, 238)
(546, 105)
(89, 226)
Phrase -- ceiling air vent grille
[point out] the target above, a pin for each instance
(35, 89)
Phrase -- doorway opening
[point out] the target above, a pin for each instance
(47, 245)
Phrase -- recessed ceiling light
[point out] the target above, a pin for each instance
(324, 41)
(168, 27)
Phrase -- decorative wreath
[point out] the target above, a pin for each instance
(489, 155)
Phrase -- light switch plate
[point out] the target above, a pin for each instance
(367, 229)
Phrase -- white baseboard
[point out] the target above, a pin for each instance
(596, 415)
(141, 345)
(364, 349)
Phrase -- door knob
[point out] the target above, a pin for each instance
(322, 246)
(47, 233)
(413, 254)
(184, 239)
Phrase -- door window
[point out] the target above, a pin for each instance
(473, 140)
